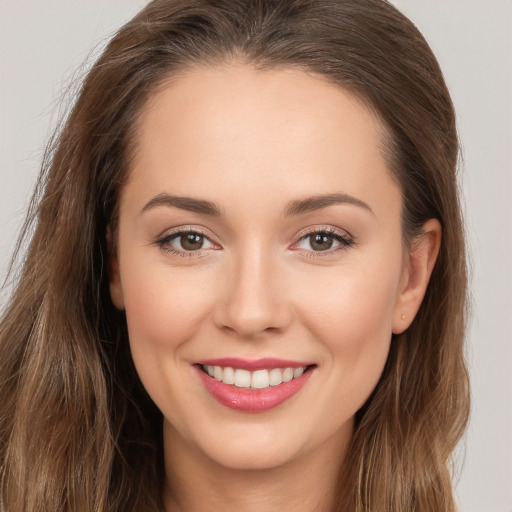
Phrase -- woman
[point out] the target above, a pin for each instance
(246, 285)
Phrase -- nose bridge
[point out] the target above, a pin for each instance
(254, 302)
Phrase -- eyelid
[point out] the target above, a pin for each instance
(171, 234)
(345, 239)
(321, 228)
(194, 228)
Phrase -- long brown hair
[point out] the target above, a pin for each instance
(77, 430)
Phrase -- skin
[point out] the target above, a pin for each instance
(254, 142)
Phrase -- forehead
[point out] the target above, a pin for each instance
(236, 128)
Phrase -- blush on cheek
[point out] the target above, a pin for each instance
(352, 313)
(163, 307)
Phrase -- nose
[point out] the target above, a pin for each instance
(253, 301)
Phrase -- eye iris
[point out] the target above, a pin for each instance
(191, 241)
(321, 241)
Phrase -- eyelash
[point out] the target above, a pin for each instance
(345, 241)
(163, 243)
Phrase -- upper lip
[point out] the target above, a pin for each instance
(265, 363)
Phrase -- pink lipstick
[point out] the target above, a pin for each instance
(253, 385)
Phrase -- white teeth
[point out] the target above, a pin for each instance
(259, 379)
(242, 378)
(275, 377)
(217, 373)
(287, 374)
(229, 376)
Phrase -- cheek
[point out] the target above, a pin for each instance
(352, 317)
(351, 308)
(164, 309)
(162, 306)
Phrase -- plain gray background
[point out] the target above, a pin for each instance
(44, 43)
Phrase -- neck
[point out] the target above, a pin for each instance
(304, 484)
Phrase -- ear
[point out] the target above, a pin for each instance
(417, 269)
(116, 289)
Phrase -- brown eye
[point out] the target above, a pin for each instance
(324, 241)
(191, 241)
(185, 242)
(321, 241)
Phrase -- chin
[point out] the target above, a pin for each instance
(249, 457)
(247, 448)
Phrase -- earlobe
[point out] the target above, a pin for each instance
(116, 289)
(416, 274)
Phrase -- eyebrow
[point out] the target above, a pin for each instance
(183, 203)
(314, 203)
(294, 208)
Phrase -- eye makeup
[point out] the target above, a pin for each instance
(187, 238)
(323, 241)
(316, 241)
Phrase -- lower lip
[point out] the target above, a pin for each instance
(252, 400)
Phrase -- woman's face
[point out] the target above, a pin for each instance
(260, 230)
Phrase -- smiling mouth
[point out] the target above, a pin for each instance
(258, 379)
